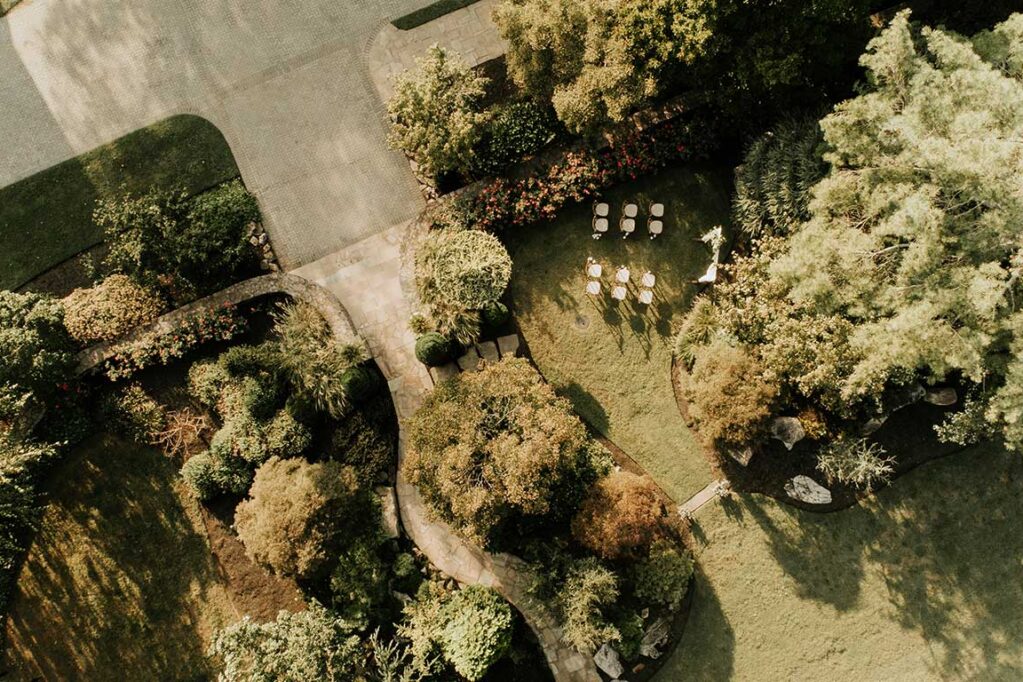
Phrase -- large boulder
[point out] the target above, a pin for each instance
(805, 489)
(607, 660)
(942, 397)
(654, 638)
(789, 430)
(388, 511)
(742, 456)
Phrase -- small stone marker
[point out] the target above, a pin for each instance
(805, 489)
(509, 345)
(742, 456)
(388, 510)
(654, 638)
(907, 396)
(443, 373)
(607, 660)
(789, 430)
(942, 397)
(488, 351)
(470, 362)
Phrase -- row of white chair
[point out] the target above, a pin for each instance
(627, 223)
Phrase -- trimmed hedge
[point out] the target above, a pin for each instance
(429, 13)
(433, 349)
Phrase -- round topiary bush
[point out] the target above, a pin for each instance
(494, 317)
(472, 268)
(359, 383)
(433, 349)
(200, 477)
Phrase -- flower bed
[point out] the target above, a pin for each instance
(162, 346)
(504, 202)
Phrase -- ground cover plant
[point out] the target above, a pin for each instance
(48, 217)
(614, 362)
(919, 582)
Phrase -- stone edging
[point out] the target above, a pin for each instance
(296, 287)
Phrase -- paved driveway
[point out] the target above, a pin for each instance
(285, 80)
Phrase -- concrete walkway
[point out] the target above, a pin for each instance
(468, 31)
(693, 504)
(366, 277)
(286, 83)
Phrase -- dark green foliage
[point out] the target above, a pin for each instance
(432, 11)
(663, 576)
(209, 476)
(517, 130)
(433, 349)
(630, 628)
(365, 441)
(772, 186)
(201, 243)
(360, 383)
(21, 464)
(47, 218)
(493, 317)
(360, 584)
(260, 396)
(34, 345)
(133, 413)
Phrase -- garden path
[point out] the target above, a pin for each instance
(366, 277)
(286, 83)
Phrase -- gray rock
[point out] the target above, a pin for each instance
(906, 396)
(742, 456)
(789, 430)
(509, 345)
(805, 489)
(654, 638)
(444, 372)
(388, 511)
(607, 660)
(487, 351)
(401, 596)
(470, 362)
(942, 397)
(873, 424)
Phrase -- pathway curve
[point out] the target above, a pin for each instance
(367, 279)
(286, 82)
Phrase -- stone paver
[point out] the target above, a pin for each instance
(366, 279)
(470, 31)
(709, 492)
(287, 84)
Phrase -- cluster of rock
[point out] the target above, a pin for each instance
(261, 242)
(655, 637)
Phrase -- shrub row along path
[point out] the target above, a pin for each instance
(367, 278)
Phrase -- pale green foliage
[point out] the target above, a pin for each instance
(435, 113)
(597, 60)
(35, 348)
(663, 576)
(589, 588)
(854, 461)
(297, 647)
(913, 236)
(314, 358)
(969, 425)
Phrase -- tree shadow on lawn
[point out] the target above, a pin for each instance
(585, 405)
(115, 574)
(946, 541)
(706, 650)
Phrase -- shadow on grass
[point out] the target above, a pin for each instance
(708, 635)
(115, 574)
(585, 405)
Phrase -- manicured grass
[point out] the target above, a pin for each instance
(614, 361)
(47, 218)
(120, 576)
(432, 11)
(923, 582)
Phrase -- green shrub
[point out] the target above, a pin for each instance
(246, 360)
(199, 476)
(406, 573)
(36, 349)
(515, 131)
(359, 585)
(630, 627)
(360, 383)
(135, 414)
(206, 381)
(663, 576)
(471, 268)
(493, 317)
(260, 396)
(285, 436)
(433, 349)
(362, 445)
(589, 589)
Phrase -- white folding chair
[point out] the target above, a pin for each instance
(646, 297)
(593, 288)
(628, 226)
(649, 280)
(630, 210)
(601, 209)
(622, 276)
(655, 227)
(618, 293)
(657, 210)
(594, 270)
(600, 226)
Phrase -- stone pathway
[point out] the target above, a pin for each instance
(367, 279)
(286, 83)
(468, 31)
(693, 504)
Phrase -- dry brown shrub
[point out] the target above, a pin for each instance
(622, 515)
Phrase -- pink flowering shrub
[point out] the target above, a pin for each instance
(210, 324)
(504, 202)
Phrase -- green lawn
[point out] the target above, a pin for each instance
(47, 218)
(923, 582)
(614, 361)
